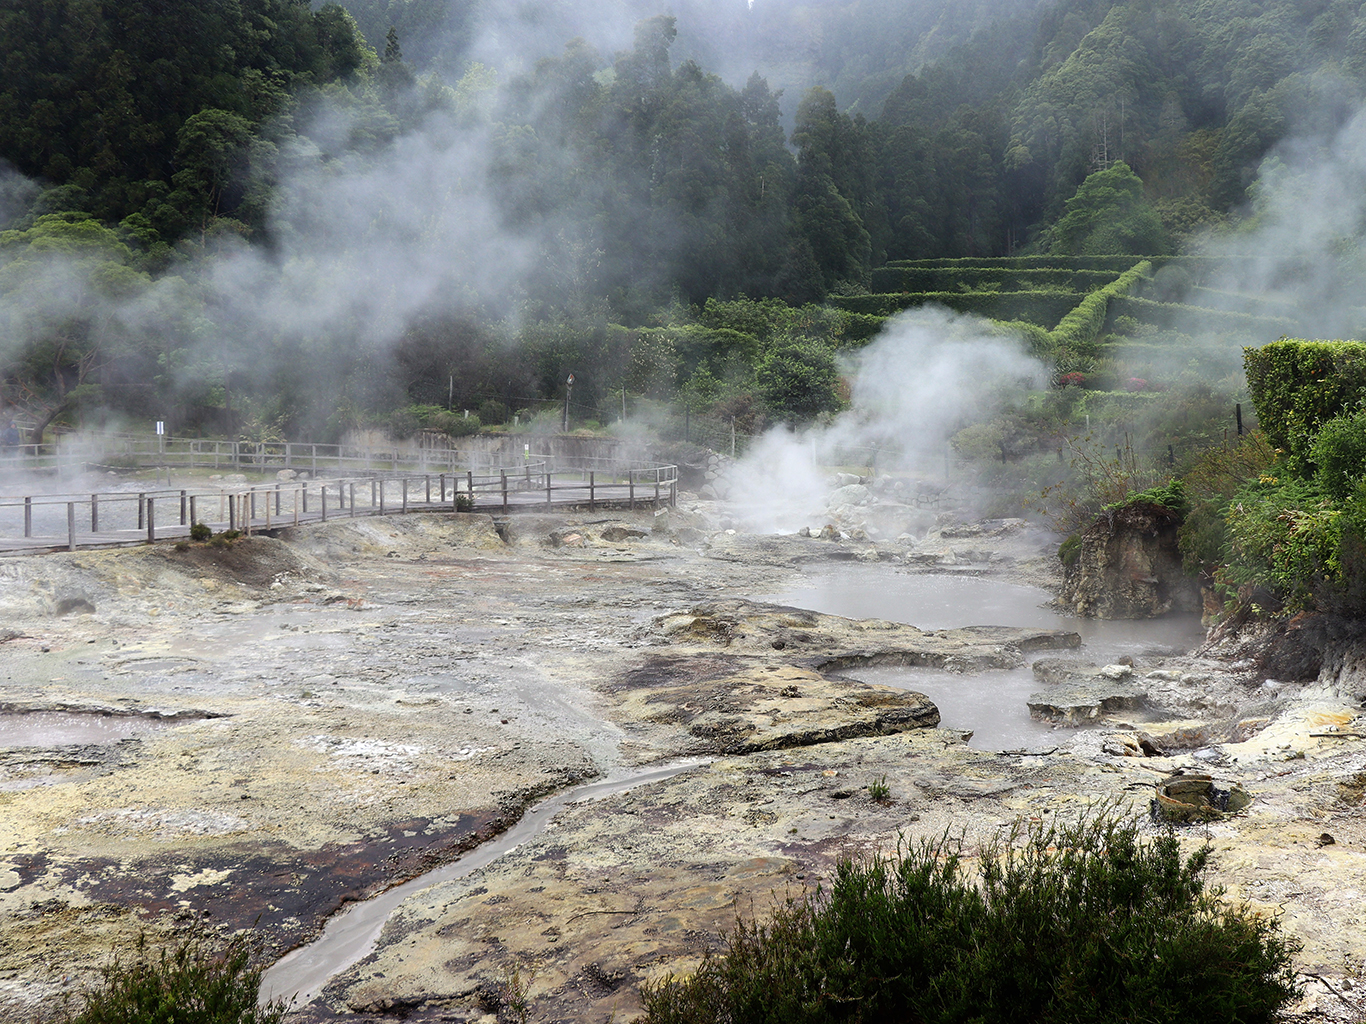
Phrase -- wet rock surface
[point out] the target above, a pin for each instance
(1129, 567)
(362, 700)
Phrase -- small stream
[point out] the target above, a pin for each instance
(352, 934)
(991, 704)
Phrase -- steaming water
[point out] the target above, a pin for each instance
(62, 728)
(352, 934)
(991, 704)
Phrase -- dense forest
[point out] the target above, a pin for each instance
(266, 215)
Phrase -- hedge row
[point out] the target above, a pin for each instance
(1298, 386)
(1198, 319)
(1042, 307)
(1009, 279)
(1200, 268)
(1080, 327)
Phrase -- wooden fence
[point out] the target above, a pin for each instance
(38, 522)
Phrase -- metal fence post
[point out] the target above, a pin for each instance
(504, 474)
(232, 511)
(547, 490)
(591, 475)
(428, 479)
(151, 523)
(142, 512)
(631, 487)
(352, 488)
(443, 490)
(404, 508)
(28, 517)
(381, 496)
(322, 493)
(193, 517)
(70, 526)
(183, 510)
(94, 513)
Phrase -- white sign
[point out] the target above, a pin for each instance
(161, 427)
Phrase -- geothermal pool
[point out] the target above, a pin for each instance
(990, 704)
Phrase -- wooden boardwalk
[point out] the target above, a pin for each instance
(33, 523)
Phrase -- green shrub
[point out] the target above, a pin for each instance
(200, 532)
(493, 412)
(454, 424)
(1210, 486)
(186, 984)
(1284, 538)
(1061, 923)
(1298, 386)
(1339, 454)
(1170, 495)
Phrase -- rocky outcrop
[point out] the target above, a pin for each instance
(1129, 567)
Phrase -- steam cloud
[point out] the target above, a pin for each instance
(926, 375)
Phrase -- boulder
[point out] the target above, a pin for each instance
(1129, 567)
(850, 494)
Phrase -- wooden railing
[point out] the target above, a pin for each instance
(38, 521)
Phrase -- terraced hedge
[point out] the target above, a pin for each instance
(1080, 327)
(1006, 279)
(1298, 386)
(1041, 307)
(1202, 319)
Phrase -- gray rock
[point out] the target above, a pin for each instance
(852, 494)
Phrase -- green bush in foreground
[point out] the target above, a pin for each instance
(187, 984)
(1066, 923)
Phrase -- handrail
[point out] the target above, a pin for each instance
(56, 521)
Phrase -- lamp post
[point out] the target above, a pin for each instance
(568, 390)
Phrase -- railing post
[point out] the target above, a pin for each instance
(142, 512)
(591, 505)
(252, 505)
(70, 526)
(322, 498)
(304, 493)
(151, 523)
(28, 517)
(94, 513)
(372, 494)
(278, 488)
(381, 496)
(504, 474)
(443, 489)
(315, 459)
(405, 495)
(656, 490)
(193, 517)
(183, 510)
(352, 489)
(469, 489)
(547, 490)
(631, 487)
(232, 511)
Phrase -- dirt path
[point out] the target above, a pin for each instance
(358, 701)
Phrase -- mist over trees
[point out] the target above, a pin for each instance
(235, 208)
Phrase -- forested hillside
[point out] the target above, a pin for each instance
(233, 208)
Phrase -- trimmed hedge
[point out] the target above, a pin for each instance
(1080, 327)
(1006, 279)
(1199, 267)
(1043, 307)
(1173, 315)
(1298, 386)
